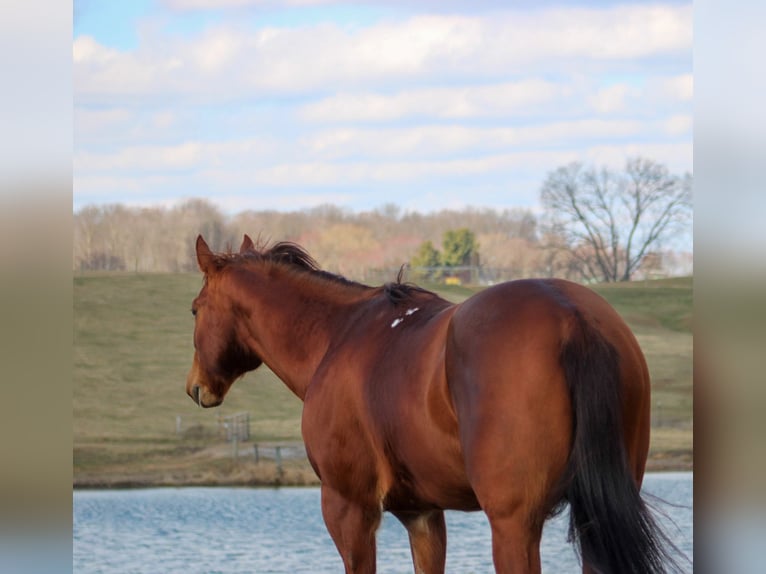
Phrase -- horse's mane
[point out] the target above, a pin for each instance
(398, 291)
(292, 255)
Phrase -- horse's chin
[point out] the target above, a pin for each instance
(210, 401)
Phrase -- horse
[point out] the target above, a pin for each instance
(528, 396)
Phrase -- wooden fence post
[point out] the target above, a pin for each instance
(278, 458)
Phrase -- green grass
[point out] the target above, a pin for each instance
(133, 348)
(660, 314)
(132, 351)
(665, 303)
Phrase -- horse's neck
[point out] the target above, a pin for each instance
(293, 319)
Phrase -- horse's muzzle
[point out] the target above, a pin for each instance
(203, 397)
(198, 390)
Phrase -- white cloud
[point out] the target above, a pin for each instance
(510, 98)
(94, 121)
(325, 174)
(182, 5)
(164, 119)
(103, 73)
(101, 130)
(678, 124)
(495, 179)
(303, 175)
(612, 98)
(524, 98)
(233, 203)
(676, 156)
(190, 155)
(312, 152)
(145, 158)
(431, 141)
(677, 88)
(296, 116)
(216, 49)
(231, 59)
(85, 49)
(102, 188)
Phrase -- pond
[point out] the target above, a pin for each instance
(245, 530)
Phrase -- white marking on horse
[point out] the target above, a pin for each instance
(407, 313)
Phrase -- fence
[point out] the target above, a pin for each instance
(235, 427)
(460, 275)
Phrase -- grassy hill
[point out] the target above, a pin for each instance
(133, 348)
(660, 314)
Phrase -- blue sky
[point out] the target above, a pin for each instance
(288, 104)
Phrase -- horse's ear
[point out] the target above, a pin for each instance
(247, 245)
(205, 257)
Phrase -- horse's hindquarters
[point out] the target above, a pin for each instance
(511, 398)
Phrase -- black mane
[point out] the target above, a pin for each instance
(398, 291)
(293, 255)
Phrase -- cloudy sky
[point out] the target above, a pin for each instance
(289, 104)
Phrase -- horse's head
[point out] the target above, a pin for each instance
(220, 357)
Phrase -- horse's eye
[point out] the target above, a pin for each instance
(194, 311)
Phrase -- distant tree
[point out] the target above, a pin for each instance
(459, 247)
(187, 220)
(557, 259)
(425, 263)
(426, 256)
(368, 245)
(651, 265)
(608, 220)
(345, 248)
(389, 211)
(85, 227)
(505, 257)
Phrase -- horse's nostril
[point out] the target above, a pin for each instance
(195, 394)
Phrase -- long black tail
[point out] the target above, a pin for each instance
(615, 529)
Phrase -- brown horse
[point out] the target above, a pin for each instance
(529, 395)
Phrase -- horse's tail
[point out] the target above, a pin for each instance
(614, 527)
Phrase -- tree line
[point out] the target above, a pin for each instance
(367, 245)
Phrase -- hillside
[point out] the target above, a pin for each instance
(132, 350)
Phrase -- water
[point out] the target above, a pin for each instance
(245, 530)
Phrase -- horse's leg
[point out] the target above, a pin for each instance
(515, 420)
(515, 458)
(352, 527)
(516, 453)
(428, 540)
(515, 544)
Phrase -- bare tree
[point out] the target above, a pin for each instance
(610, 220)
